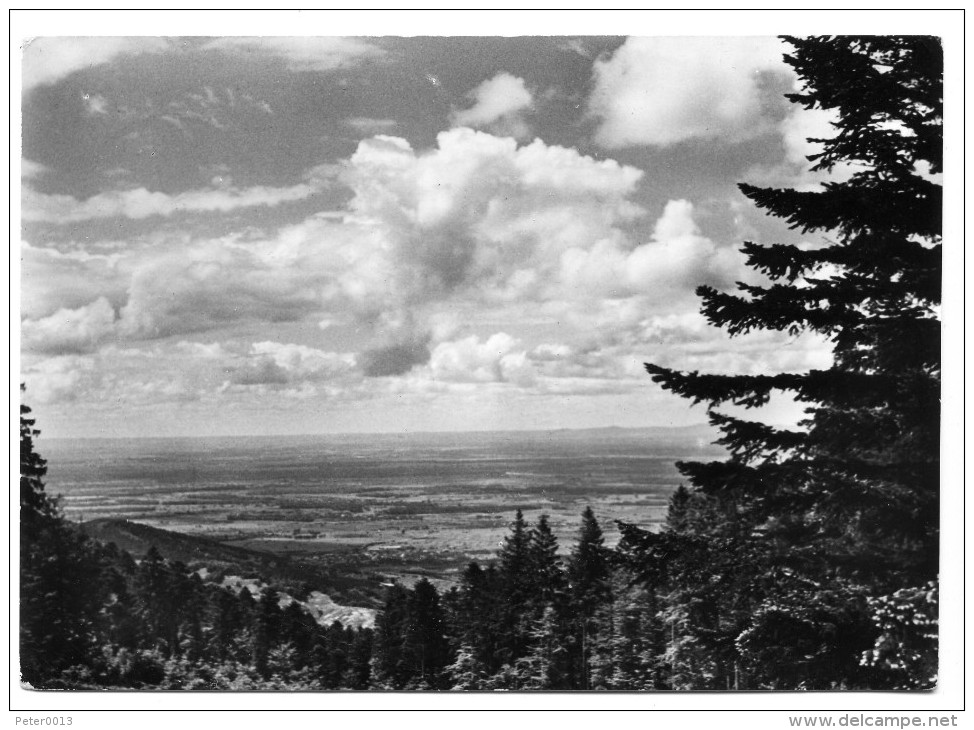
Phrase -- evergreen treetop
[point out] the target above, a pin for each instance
(847, 503)
(870, 444)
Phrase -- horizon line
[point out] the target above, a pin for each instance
(378, 433)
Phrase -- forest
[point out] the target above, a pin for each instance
(807, 560)
(95, 617)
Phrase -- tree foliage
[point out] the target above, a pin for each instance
(844, 509)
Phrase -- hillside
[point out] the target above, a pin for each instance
(137, 538)
(295, 576)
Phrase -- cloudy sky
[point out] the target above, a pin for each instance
(288, 235)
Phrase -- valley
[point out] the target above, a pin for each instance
(348, 513)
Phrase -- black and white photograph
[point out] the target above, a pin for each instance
(467, 362)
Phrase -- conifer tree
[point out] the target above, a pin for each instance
(425, 647)
(60, 596)
(544, 566)
(542, 666)
(267, 629)
(158, 599)
(466, 672)
(843, 510)
(516, 587)
(589, 586)
(626, 649)
(515, 561)
(678, 513)
(230, 619)
(121, 626)
(360, 656)
(389, 661)
(37, 508)
(477, 616)
(588, 566)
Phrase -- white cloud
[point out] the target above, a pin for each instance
(53, 280)
(801, 124)
(660, 91)
(140, 203)
(201, 350)
(633, 331)
(70, 330)
(48, 60)
(60, 379)
(481, 214)
(210, 284)
(30, 169)
(670, 266)
(688, 342)
(118, 377)
(276, 365)
(302, 362)
(498, 104)
(303, 53)
(796, 129)
(436, 250)
(499, 359)
(794, 171)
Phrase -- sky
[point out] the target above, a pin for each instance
(241, 235)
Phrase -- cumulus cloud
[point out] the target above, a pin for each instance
(632, 331)
(70, 330)
(165, 284)
(128, 376)
(476, 220)
(687, 342)
(53, 280)
(677, 259)
(499, 104)
(61, 379)
(798, 129)
(48, 60)
(479, 213)
(497, 359)
(140, 203)
(302, 53)
(201, 350)
(211, 284)
(802, 124)
(261, 371)
(477, 226)
(303, 363)
(660, 91)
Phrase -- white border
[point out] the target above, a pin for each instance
(706, 709)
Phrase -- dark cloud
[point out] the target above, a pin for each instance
(260, 372)
(395, 359)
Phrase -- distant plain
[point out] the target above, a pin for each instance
(395, 505)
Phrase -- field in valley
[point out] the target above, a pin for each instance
(395, 506)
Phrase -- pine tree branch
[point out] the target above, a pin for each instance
(919, 266)
(856, 206)
(839, 388)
